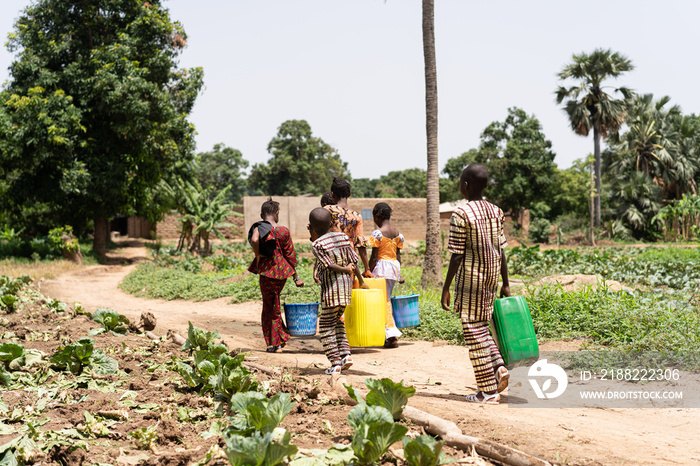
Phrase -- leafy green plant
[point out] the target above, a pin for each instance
(146, 437)
(423, 450)
(80, 355)
(111, 321)
(9, 288)
(198, 340)
(259, 449)
(385, 393)
(57, 306)
(231, 378)
(539, 230)
(12, 355)
(62, 239)
(374, 431)
(255, 412)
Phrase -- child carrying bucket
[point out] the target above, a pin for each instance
(275, 261)
(337, 261)
(385, 262)
(476, 242)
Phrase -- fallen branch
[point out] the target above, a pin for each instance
(176, 338)
(264, 369)
(452, 435)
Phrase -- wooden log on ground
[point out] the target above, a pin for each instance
(452, 435)
(176, 338)
(264, 369)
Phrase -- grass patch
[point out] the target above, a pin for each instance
(657, 321)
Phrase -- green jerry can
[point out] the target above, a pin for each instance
(512, 328)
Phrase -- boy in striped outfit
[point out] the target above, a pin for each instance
(337, 261)
(476, 242)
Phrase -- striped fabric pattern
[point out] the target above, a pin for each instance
(333, 337)
(483, 353)
(476, 232)
(334, 248)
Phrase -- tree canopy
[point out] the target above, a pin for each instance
(220, 168)
(588, 106)
(300, 163)
(519, 160)
(95, 111)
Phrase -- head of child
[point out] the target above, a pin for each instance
(340, 189)
(327, 199)
(473, 181)
(381, 213)
(319, 223)
(270, 210)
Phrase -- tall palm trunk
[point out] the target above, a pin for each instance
(432, 267)
(596, 153)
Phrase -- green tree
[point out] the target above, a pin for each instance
(220, 168)
(300, 163)
(519, 160)
(449, 186)
(402, 183)
(570, 191)
(588, 106)
(99, 108)
(432, 266)
(364, 187)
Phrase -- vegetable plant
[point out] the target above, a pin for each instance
(255, 412)
(385, 393)
(198, 340)
(423, 450)
(259, 449)
(79, 355)
(111, 321)
(374, 432)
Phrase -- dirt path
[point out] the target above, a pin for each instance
(441, 373)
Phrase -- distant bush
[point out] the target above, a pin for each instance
(539, 230)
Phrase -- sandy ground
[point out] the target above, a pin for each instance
(441, 374)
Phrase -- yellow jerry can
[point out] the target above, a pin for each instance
(365, 317)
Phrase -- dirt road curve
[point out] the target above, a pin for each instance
(441, 373)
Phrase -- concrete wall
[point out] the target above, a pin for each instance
(408, 214)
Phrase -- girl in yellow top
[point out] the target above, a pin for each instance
(385, 262)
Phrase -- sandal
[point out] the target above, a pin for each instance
(502, 377)
(346, 362)
(334, 370)
(485, 398)
(392, 342)
(273, 349)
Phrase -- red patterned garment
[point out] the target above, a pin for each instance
(282, 263)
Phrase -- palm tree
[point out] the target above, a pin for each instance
(432, 266)
(589, 106)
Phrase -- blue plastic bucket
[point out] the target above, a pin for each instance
(301, 318)
(405, 310)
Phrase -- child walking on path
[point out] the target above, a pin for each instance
(476, 242)
(385, 262)
(337, 261)
(275, 261)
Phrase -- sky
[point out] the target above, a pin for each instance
(354, 69)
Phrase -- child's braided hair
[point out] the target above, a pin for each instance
(269, 207)
(382, 210)
(340, 188)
